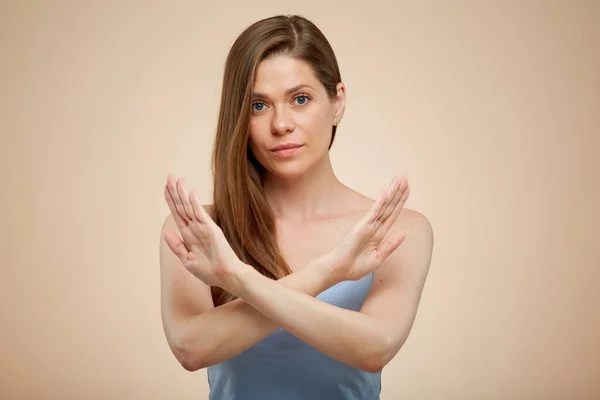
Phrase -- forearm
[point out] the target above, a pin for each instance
(348, 336)
(226, 331)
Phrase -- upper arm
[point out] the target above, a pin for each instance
(182, 294)
(398, 284)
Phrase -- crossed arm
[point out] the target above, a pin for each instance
(367, 339)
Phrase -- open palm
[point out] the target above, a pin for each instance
(369, 243)
(203, 248)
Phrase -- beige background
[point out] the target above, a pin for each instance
(491, 107)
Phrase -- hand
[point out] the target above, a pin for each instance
(204, 250)
(369, 243)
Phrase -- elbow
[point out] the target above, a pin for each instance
(189, 360)
(373, 363)
(189, 364)
(377, 356)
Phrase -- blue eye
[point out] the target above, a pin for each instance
(306, 98)
(301, 100)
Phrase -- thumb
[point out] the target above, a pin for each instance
(176, 245)
(389, 244)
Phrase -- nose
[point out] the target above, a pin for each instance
(282, 122)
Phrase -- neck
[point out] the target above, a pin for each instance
(304, 198)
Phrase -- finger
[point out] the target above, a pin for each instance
(390, 244)
(398, 207)
(393, 202)
(196, 206)
(391, 191)
(180, 222)
(172, 185)
(402, 186)
(176, 245)
(185, 198)
(379, 205)
(200, 211)
(376, 207)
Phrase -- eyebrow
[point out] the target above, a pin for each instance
(287, 92)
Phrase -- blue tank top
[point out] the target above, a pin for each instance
(283, 367)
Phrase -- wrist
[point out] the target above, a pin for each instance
(326, 266)
(236, 279)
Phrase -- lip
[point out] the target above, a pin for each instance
(286, 146)
(287, 150)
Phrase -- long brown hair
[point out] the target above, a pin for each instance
(240, 206)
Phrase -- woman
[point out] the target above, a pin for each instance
(291, 285)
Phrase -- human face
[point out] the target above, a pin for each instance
(291, 107)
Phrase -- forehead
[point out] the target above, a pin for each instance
(277, 74)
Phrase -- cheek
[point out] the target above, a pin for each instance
(254, 133)
(318, 126)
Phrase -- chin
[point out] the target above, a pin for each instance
(288, 170)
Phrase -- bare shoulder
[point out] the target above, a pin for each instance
(414, 221)
(417, 247)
